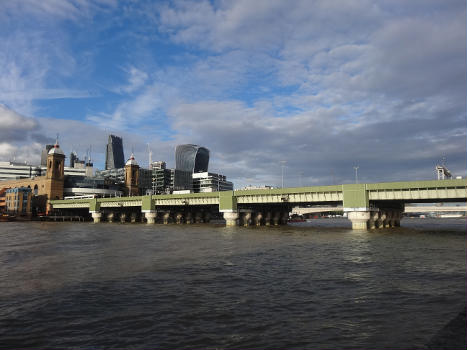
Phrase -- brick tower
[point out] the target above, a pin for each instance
(132, 176)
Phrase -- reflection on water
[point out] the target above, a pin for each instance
(318, 285)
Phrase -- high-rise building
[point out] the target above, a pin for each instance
(44, 154)
(192, 158)
(114, 157)
(73, 158)
(189, 159)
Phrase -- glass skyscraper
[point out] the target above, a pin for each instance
(191, 158)
(114, 158)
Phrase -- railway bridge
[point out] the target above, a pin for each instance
(373, 205)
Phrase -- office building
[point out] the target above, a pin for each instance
(191, 158)
(16, 171)
(210, 182)
(44, 154)
(114, 158)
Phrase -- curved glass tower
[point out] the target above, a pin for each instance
(191, 158)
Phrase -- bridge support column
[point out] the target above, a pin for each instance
(179, 218)
(133, 217)
(231, 218)
(373, 220)
(207, 217)
(276, 218)
(166, 218)
(285, 218)
(258, 218)
(267, 219)
(189, 218)
(359, 219)
(246, 219)
(110, 217)
(122, 218)
(96, 216)
(198, 217)
(150, 216)
(397, 219)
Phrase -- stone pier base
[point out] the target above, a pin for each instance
(231, 218)
(96, 216)
(150, 217)
(359, 219)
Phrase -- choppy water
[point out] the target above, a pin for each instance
(80, 285)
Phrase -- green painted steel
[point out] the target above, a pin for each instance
(352, 196)
(227, 201)
(94, 205)
(147, 203)
(355, 196)
(417, 184)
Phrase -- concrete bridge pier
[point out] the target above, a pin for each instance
(189, 218)
(122, 218)
(198, 217)
(397, 218)
(381, 219)
(276, 218)
(267, 219)
(359, 219)
(150, 216)
(179, 218)
(166, 218)
(207, 217)
(110, 217)
(246, 219)
(133, 217)
(284, 217)
(258, 217)
(231, 218)
(372, 223)
(96, 216)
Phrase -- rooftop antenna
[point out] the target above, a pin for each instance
(56, 140)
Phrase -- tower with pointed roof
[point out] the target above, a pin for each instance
(55, 174)
(132, 176)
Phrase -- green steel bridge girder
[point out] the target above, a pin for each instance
(350, 195)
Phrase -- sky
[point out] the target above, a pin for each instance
(324, 85)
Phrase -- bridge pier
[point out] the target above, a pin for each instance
(276, 218)
(179, 218)
(166, 218)
(198, 217)
(359, 219)
(96, 216)
(231, 218)
(133, 217)
(189, 218)
(122, 218)
(150, 216)
(246, 219)
(267, 219)
(110, 217)
(258, 218)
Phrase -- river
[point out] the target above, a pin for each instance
(313, 285)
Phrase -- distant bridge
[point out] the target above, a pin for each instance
(367, 205)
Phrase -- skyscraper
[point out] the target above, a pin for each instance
(189, 159)
(44, 154)
(114, 157)
(192, 158)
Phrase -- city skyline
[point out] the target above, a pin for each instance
(327, 86)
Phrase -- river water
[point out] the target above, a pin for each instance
(318, 285)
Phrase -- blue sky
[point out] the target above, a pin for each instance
(325, 85)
